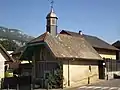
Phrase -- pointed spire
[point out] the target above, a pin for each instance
(52, 11)
(51, 4)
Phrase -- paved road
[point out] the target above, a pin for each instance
(103, 85)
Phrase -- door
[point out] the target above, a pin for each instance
(101, 67)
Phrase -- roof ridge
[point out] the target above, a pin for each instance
(78, 33)
(45, 34)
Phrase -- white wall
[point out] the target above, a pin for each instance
(2, 60)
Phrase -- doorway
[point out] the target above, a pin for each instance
(101, 68)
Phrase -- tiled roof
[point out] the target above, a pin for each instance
(65, 46)
(93, 40)
(36, 40)
(39, 38)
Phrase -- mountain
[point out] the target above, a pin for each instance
(14, 35)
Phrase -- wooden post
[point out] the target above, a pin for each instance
(17, 87)
(8, 87)
(108, 71)
(47, 85)
(88, 80)
(33, 71)
(68, 73)
(32, 87)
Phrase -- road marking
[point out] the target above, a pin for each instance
(91, 87)
(105, 88)
(112, 88)
(99, 87)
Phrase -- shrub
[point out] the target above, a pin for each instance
(55, 78)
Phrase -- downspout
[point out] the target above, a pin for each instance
(68, 73)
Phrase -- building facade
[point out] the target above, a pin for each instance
(81, 63)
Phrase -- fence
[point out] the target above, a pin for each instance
(16, 83)
(22, 83)
(113, 69)
(112, 65)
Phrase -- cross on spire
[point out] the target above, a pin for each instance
(51, 3)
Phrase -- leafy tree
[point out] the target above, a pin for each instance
(9, 45)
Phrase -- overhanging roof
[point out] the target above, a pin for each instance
(65, 46)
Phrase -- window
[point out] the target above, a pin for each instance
(53, 21)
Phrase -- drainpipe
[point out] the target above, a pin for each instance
(68, 73)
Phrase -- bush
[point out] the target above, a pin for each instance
(55, 78)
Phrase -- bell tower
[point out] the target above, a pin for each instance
(51, 18)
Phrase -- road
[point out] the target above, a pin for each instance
(103, 85)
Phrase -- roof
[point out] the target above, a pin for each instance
(93, 40)
(5, 54)
(65, 46)
(117, 44)
(39, 38)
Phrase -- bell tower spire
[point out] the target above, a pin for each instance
(51, 26)
(52, 2)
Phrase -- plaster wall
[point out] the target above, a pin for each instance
(2, 60)
(108, 56)
(79, 73)
(107, 53)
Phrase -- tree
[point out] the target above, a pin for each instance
(9, 45)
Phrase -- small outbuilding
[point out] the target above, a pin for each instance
(62, 60)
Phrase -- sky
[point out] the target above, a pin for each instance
(99, 18)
